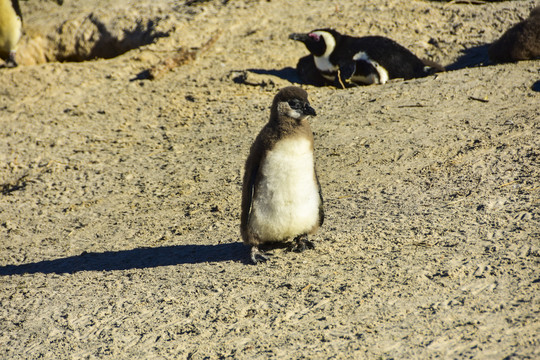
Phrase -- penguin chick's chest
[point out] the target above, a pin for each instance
(10, 27)
(286, 203)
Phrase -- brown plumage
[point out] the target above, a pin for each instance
(520, 42)
(281, 197)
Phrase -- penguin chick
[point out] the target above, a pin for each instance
(10, 30)
(345, 60)
(281, 194)
(520, 42)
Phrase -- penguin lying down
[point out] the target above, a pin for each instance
(520, 42)
(343, 60)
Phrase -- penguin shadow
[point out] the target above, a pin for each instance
(287, 73)
(140, 258)
(471, 57)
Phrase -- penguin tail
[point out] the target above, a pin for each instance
(431, 67)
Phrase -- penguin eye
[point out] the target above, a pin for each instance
(315, 37)
(294, 104)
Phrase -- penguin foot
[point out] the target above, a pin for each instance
(301, 243)
(257, 256)
(8, 65)
(11, 62)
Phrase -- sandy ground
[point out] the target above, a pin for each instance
(120, 197)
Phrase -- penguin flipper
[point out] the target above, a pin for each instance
(247, 194)
(321, 207)
(17, 8)
(367, 72)
(248, 188)
(346, 70)
(252, 185)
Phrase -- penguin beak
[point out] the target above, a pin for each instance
(308, 110)
(299, 37)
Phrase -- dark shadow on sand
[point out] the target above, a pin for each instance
(140, 258)
(288, 73)
(472, 57)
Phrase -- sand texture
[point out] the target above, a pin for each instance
(120, 195)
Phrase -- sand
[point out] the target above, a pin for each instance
(120, 195)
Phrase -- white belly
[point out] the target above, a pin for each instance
(323, 64)
(10, 28)
(382, 77)
(368, 80)
(286, 203)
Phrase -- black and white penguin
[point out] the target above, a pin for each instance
(520, 42)
(345, 60)
(10, 30)
(281, 194)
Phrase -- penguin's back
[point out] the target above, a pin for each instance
(396, 60)
(520, 42)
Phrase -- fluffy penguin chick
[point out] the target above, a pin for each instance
(520, 42)
(10, 30)
(281, 195)
(346, 60)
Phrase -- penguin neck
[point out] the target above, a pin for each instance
(286, 127)
(323, 62)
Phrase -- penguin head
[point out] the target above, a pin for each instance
(292, 102)
(319, 42)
